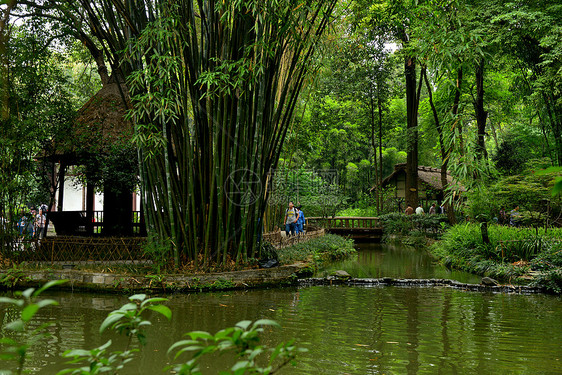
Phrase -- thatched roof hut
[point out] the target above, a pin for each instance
(102, 122)
(429, 182)
(100, 128)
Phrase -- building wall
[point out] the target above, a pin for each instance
(75, 197)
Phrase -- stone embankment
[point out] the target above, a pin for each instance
(245, 279)
(386, 281)
(126, 283)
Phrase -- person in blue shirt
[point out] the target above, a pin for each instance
(300, 221)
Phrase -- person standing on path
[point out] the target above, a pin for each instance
(419, 210)
(40, 219)
(291, 217)
(432, 209)
(409, 210)
(300, 221)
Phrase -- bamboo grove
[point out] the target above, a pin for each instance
(213, 86)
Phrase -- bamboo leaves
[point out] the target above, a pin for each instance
(212, 101)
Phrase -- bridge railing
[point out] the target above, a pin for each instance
(345, 222)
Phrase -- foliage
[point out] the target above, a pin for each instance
(116, 168)
(35, 115)
(551, 280)
(158, 250)
(530, 191)
(10, 277)
(326, 248)
(407, 225)
(509, 248)
(243, 341)
(21, 334)
(205, 153)
(316, 192)
(127, 320)
(511, 156)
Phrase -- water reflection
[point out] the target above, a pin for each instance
(347, 330)
(376, 260)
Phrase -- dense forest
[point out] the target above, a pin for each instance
(309, 90)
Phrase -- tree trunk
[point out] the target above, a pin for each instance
(445, 151)
(481, 114)
(484, 231)
(411, 192)
(374, 145)
(379, 101)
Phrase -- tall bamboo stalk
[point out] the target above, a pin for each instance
(214, 85)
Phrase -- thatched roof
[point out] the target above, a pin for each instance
(428, 175)
(99, 124)
(101, 121)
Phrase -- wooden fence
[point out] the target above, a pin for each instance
(78, 250)
(279, 240)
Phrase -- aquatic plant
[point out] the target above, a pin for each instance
(19, 335)
(242, 340)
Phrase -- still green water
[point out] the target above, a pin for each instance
(347, 330)
(376, 260)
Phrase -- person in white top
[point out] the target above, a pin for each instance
(419, 210)
(291, 217)
(40, 224)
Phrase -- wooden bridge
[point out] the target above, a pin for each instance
(359, 228)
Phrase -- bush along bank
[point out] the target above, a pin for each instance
(317, 251)
(515, 255)
(413, 230)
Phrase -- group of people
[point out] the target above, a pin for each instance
(32, 224)
(420, 211)
(513, 218)
(294, 220)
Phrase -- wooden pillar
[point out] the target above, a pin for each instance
(90, 195)
(62, 176)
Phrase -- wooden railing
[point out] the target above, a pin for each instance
(345, 222)
(75, 223)
(279, 240)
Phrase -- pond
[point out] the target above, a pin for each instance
(376, 260)
(347, 330)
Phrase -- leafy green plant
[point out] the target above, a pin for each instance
(17, 337)
(11, 277)
(328, 247)
(159, 251)
(127, 320)
(242, 340)
(550, 281)
(397, 224)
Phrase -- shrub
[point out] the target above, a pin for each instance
(550, 280)
(328, 247)
(404, 225)
(462, 247)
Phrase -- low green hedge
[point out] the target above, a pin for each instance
(326, 248)
(413, 228)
